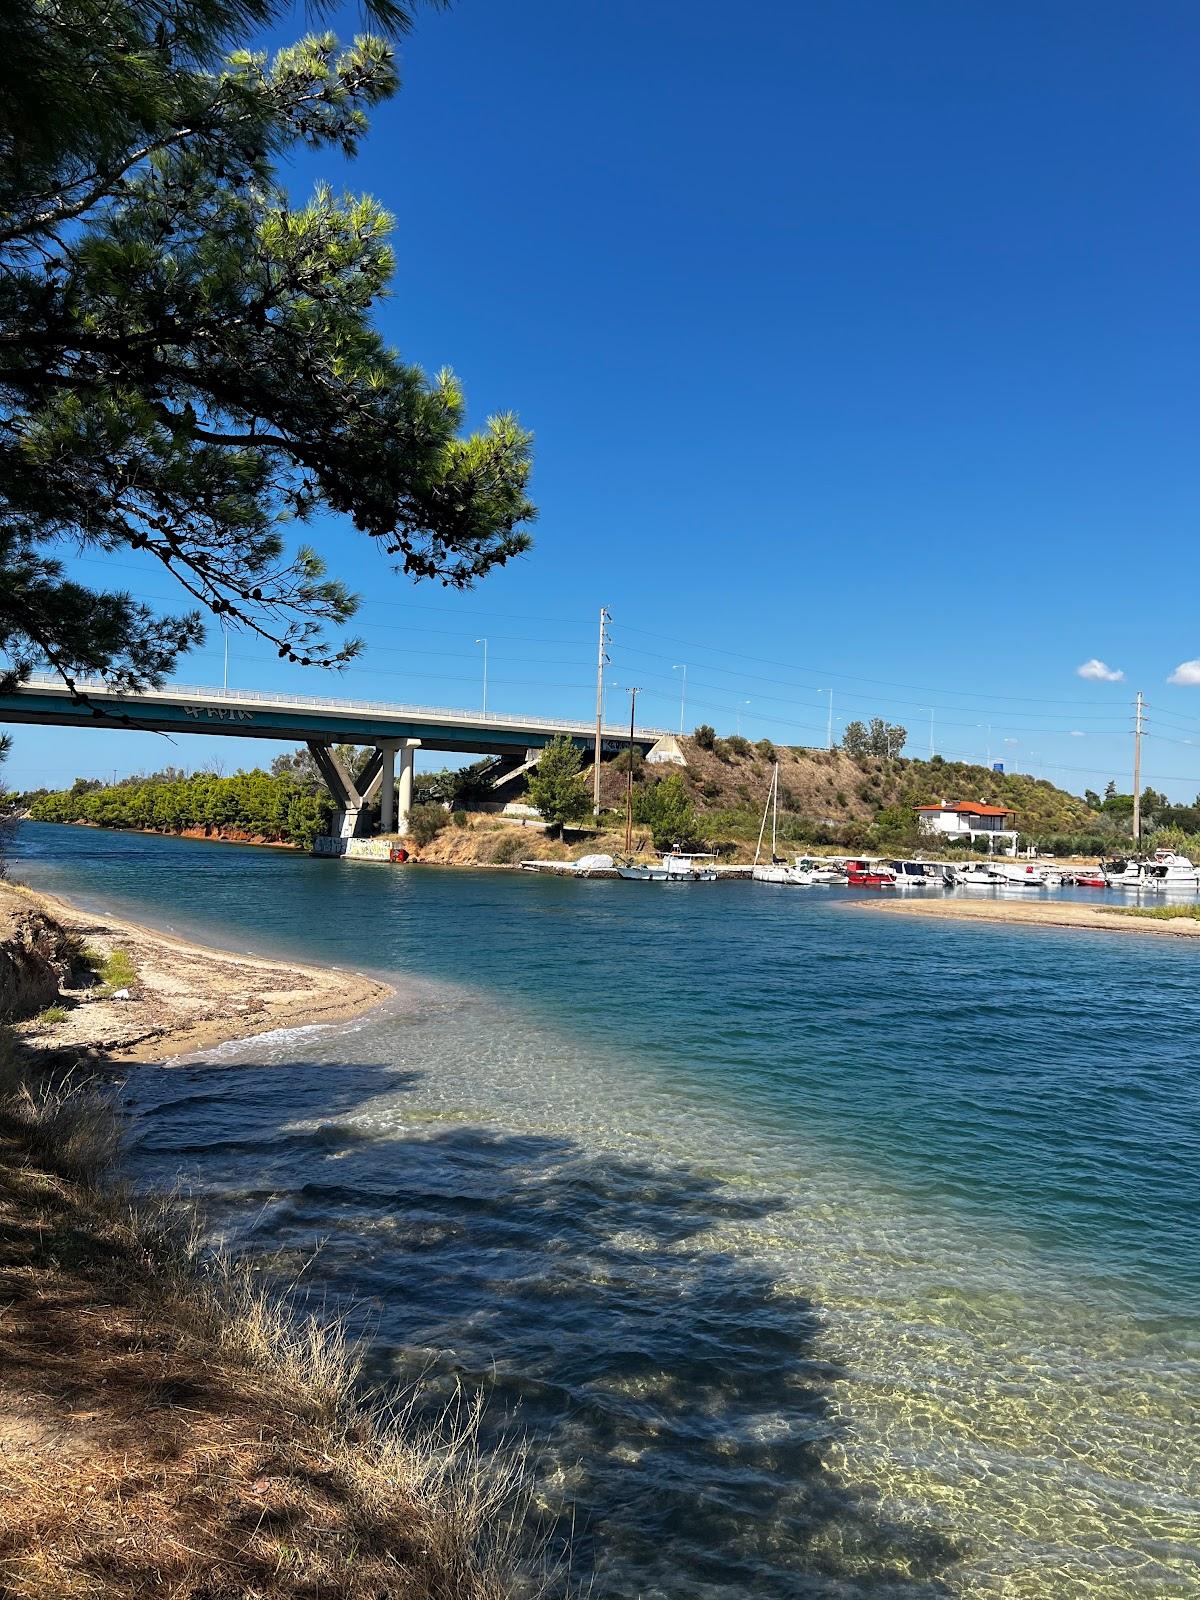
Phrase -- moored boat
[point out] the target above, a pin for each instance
(1169, 870)
(915, 874)
(678, 866)
(813, 869)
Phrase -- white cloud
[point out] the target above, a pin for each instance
(1186, 672)
(1077, 733)
(1100, 671)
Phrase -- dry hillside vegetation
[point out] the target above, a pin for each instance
(168, 1434)
(831, 787)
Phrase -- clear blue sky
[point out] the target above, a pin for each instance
(860, 345)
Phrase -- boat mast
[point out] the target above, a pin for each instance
(767, 807)
(774, 812)
(762, 827)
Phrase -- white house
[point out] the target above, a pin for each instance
(969, 819)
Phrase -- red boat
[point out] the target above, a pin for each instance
(1091, 883)
(867, 874)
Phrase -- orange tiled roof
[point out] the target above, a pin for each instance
(972, 809)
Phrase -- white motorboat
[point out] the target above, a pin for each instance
(1125, 874)
(914, 875)
(978, 875)
(813, 869)
(1165, 872)
(677, 867)
(1025, 878)
(1170, 871)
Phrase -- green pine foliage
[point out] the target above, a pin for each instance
(188, 363)
(556, 788)
(666, 808)
(253, 802)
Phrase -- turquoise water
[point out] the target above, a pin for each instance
(812, 1251)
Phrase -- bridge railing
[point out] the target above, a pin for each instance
(296, 702)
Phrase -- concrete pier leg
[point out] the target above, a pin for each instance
(387, 789)
(407, 751)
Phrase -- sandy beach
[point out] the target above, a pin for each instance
(1041, 913)
(187, 996)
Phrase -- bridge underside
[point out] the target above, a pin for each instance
(389, 731)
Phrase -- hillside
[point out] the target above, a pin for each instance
(834, 796)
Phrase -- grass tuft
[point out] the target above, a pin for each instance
(113, 971)
(1160, 913)
(226, 1446)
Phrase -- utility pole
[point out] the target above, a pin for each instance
(681, 667)
(633, 694)
(931, 733)
(601, 659)
(225, 631)
(1137, 769)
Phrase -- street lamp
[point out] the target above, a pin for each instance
(739, 717)
(483, 642)
(681, 667)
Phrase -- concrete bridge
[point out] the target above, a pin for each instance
(321, 723)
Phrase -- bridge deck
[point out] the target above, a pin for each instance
(252, 714)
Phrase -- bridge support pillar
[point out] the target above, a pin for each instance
(395, 791)
(405, 790)
(387, 787)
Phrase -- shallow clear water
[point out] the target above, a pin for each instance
(813, 1251)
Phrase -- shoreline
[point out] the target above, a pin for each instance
(1043, 914)
(171, 1420)
(188, 995)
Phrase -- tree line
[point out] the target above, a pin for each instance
(274, 808)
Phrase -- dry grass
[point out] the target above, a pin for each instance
(1160, 913)
(168, 1428)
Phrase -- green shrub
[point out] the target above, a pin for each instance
(738, 746)
(666, 808)
(632, 755)
(766, 749)
(425, 822)
(705, 736)
(50, 1016)
(509, 846)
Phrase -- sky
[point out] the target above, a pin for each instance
(860, 346)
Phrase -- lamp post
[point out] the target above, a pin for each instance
(681, 667)
(829, 729)
(483, 642)
(739, 718)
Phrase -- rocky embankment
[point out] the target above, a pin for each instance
(37, 957)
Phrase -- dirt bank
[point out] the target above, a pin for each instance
(183, 996)
(1043, 914)
(166, 1428)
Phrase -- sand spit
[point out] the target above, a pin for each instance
(1042, 914)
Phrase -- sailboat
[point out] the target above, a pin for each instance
(777, 871)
